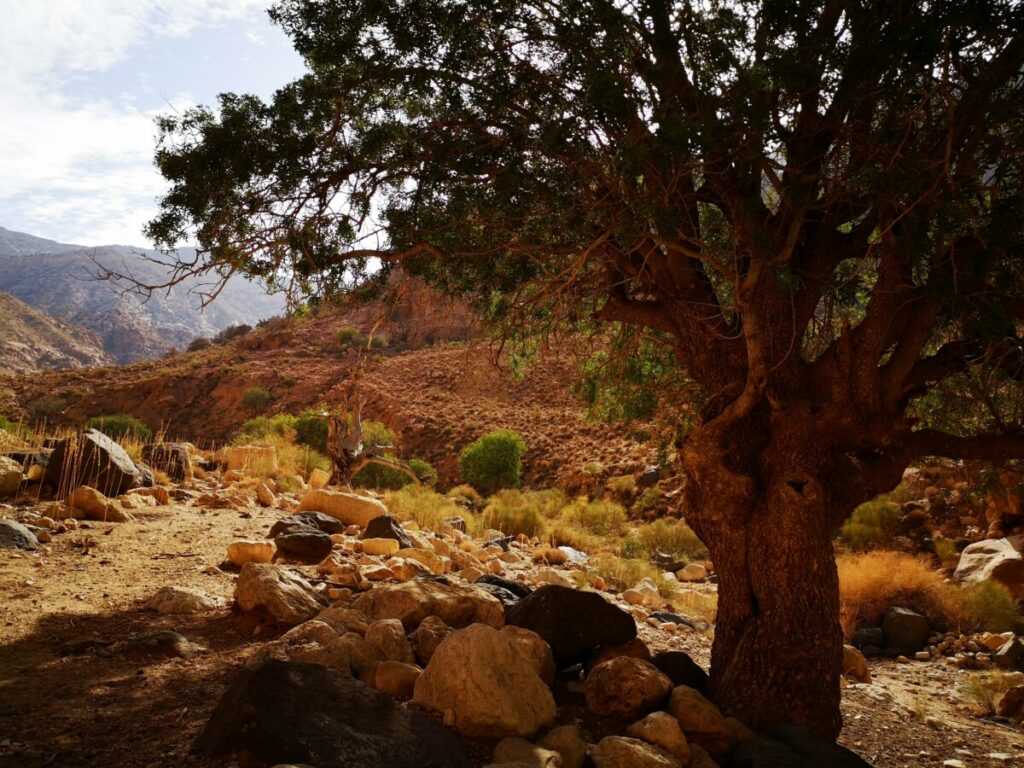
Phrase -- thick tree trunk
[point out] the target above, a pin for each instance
(778, 645)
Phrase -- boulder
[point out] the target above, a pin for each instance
(662, 730)
(318, 478)
(1011, 703)
(568, 742)
(520, 751)
(91, 459)
(518, 588)
(428, 636)
(350, 508)
(533, 647)
(313, 642)
(692, 572)
(868, 637)
(286, 712)
(388, 636)
(160, 495)
(906, 631)
(855, 665)
(317, 520)
(624, 752)
(93, 505)
(700, 720)
(635, 648)
(243, 551)
(507, 598)
(992, 560)
(792, 745)
(1010, 655)
(396, 678)
(265, 496)
(413, 601)
(363, 657)
(681, 669)
(182, 600)
(170, 458)
(387, 527)
(626, 688)
(438, 565)
(380, 547)
(11, 476)
(279, 594)
(14, 535)
(254, 460)
(484, 686)
(306, 545)
(572, 622)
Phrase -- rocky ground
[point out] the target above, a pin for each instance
(77, 687)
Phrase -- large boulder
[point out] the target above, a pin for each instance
(906, 631)
(681, 669)
(304, 545)
(14, 535)
(387, 527)
(281, 712)
(700, 720)
(92, 459)
(626, 688)
(11, 476)
(625, 752)
(278, 594)
(350, 508)
(662, 730)
(170, 458)
(573, 622)
(89, 504)
(485, 687)
(317, 520)
(411, 602)
(992, 560)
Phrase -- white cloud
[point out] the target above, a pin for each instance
(75, 168)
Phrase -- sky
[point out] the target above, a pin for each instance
(80, 84)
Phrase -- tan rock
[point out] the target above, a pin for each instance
(992, 560)
(380, 547)
(413, 601)
(535, 648)
(377, 572)
(388, 636)
(344, 619)
(662, 730)
(255, 460)
(277, 593)
(313, 642)
(396, 678)
(626, 688)
(265, 496)
(635, 648)
(232, 476)
(471, 573)
(318, 478)
(692, 572)
(157, 493)
(855, 665)
(699, 758)
(341, 570)
(350, 508)
(245, 551)
(95, 506)
(624, 752)
(407, 570)
(700, 720)
(484, 686)
(183, 600)
(434, 562)
(428, 636)
(551, 576)
(516, 750)
(568, 742)
(363, 657)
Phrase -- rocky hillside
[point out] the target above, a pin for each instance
(57, 278)
(33, 341)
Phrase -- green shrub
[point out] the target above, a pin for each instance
(622, 487)
(427, 508)
(49, 406)
(468, 494)
(119, 426)
(256, 398)
(988, 606)
(261, 427)
(673, 537)
(494, 461)
(512, 513)
(376, 434)
(381, 477)
(348, 337)
(379, 341)
(871, 524)
(598, 517)
(424, 471)
(11, 426)
(311, 430)
(632, 548)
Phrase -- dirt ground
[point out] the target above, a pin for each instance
(117, 710)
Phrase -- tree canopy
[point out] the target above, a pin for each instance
(817, 205)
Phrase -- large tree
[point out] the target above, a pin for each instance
(817, 204)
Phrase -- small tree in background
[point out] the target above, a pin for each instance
(256, 398)
(494, 461)
(119, 426)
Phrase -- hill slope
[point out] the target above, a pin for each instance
(58, 279)
(33, 341)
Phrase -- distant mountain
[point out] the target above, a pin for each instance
(33, 341)
(58, 279)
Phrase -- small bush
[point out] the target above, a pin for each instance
(381, 477)
(512, 513)
(427, 508)
(348, 337)
(256, 398)
(673, 537)
(468, 494)
(622, 487)
(987, 606)
(871, 524)
(311, 430)
(494, 461)
(379, 341)
(598, 517)
(260, 427)
(119, 426)
(632, 548)
(983, 690)
(424, 470)
(199, 343)
(231, 333)
(375, 433)
(49, 406)
(650, 499)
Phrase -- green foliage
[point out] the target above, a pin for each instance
(311, 430)
(427, 508)
(376, 433)
(988, 606)
(622, 487)
(381, 477)
(673, 537)
(260, 427)
(46, 407)
(231, 333)
(871, 524)
(349, 337)
(119, 426)
(256, 398)
(598, 517)
(650, 499)
(467, 494)
(424, 471)
(494, 461)
(11, 427)
(512, 513)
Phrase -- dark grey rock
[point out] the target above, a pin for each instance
(507, 598)
(681, 669)
(307, 545)
(906, 631)
(674, 618)
(289, 712)
(387, 527)
(14, 535)
(316, 520)
(649, 477)
(169, 458)
(572, 622)
(516, 587)
(1010, 655)
(92, 459)
(868, 636)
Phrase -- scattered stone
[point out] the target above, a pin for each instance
(662, 730)
(14, 535)
(681, 670)
(317, 520)
(388, 636)
(281, 712)
(626, 688)
(428, 636)
(700, 720)
(242, 552)
(507, 598)
(313, 642)
(407, 570)
(1011, 703)
(305, 546)
(692, 572)
(183, 600)
(855, 665)
(170, 458)
(1010, 655)
(350, 508)
(157, 493)
(387, 527)
(318, 478)
(438, 565)
(869, 637)
(379, 547)
(553, 577)
(396, 678)
(164, 643)
(625, 752)
(572, 622)
(363, 657)
(94, 460)
(282, 596)
(568, 742)
(11, 475)
(635, 648)
(265, 496)
(485, 686)
(413, 601)
(518, 588)
(95, 506)
(906, 631)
